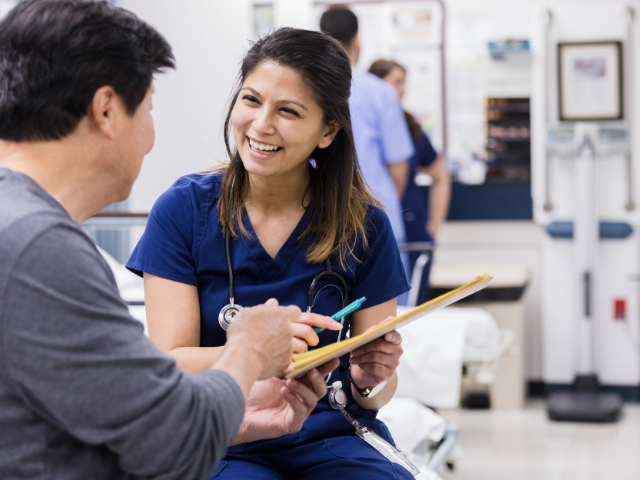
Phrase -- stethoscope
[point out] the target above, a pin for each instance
(228, 312)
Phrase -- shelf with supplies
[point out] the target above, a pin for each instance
(508, 140)
(506, 192)
(509, 108)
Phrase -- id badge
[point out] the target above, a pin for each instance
(338, 400)
(390, 452)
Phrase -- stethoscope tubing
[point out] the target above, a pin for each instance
(228, 312)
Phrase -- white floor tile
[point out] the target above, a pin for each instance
(525, 445)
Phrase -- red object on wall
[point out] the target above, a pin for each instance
(620, 309)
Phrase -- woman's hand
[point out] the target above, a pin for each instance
(278, 407)
(376, 361)
(303, 333)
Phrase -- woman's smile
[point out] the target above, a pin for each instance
(262, 149)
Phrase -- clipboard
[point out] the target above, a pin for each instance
(304, 362)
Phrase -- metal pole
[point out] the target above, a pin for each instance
(548, 204)
(631, 14)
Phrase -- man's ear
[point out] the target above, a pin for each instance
(329, 133)
(354, 50)
(106, 108)
(356, 41)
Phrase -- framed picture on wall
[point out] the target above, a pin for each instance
(590, 81)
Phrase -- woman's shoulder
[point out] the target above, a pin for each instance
(195, 187)
(376, 228)
(201, 182)
(376, 218)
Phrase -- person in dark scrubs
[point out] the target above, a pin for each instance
(421, 225)
(294, 204)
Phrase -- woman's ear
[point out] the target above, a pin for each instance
(328, 134)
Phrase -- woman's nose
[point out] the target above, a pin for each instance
(263, 122)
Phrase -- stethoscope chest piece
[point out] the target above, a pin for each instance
(227, 314)
(337, 397)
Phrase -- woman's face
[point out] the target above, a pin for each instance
(396, 77)
(276, 122)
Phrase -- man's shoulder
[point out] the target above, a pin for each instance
(372, 94)
(26, 211)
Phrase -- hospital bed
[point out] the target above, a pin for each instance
(130, 286)
(436, 350)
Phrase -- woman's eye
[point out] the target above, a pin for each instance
(250, 99)
(288, 110)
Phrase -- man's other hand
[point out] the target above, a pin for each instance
(278, 407)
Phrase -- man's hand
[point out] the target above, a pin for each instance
(279, 407)
(376, 361)
(303, 330)
(265, 332)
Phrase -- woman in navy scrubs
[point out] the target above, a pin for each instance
(292, 198)
(421, 225)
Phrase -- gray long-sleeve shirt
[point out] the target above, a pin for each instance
(83, 393)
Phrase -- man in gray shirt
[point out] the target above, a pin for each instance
(83, 393)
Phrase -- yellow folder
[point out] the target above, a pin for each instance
(304, 362)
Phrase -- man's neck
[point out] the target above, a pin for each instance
(58, 167)
(353, 51)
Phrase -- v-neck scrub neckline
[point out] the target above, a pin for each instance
(272, 267)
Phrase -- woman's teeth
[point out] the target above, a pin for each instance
(263, 147)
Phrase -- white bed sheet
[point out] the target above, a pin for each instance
(435, 348)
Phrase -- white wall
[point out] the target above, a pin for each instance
(208, 39)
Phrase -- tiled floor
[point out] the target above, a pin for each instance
(525, 445)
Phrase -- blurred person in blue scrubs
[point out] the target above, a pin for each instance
(421, 225)
(294, 205)
(383, 141)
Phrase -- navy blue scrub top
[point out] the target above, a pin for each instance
(414, 209)
(183, 241)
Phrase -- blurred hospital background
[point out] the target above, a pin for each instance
(534, 108)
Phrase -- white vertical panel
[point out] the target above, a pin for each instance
(208, 39)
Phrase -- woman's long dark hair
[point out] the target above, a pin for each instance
(339, 194)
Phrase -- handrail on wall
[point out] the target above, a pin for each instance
(121, 215)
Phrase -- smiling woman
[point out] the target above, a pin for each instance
(293, 94)
(291, 210)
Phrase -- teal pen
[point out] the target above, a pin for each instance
(352, 307)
